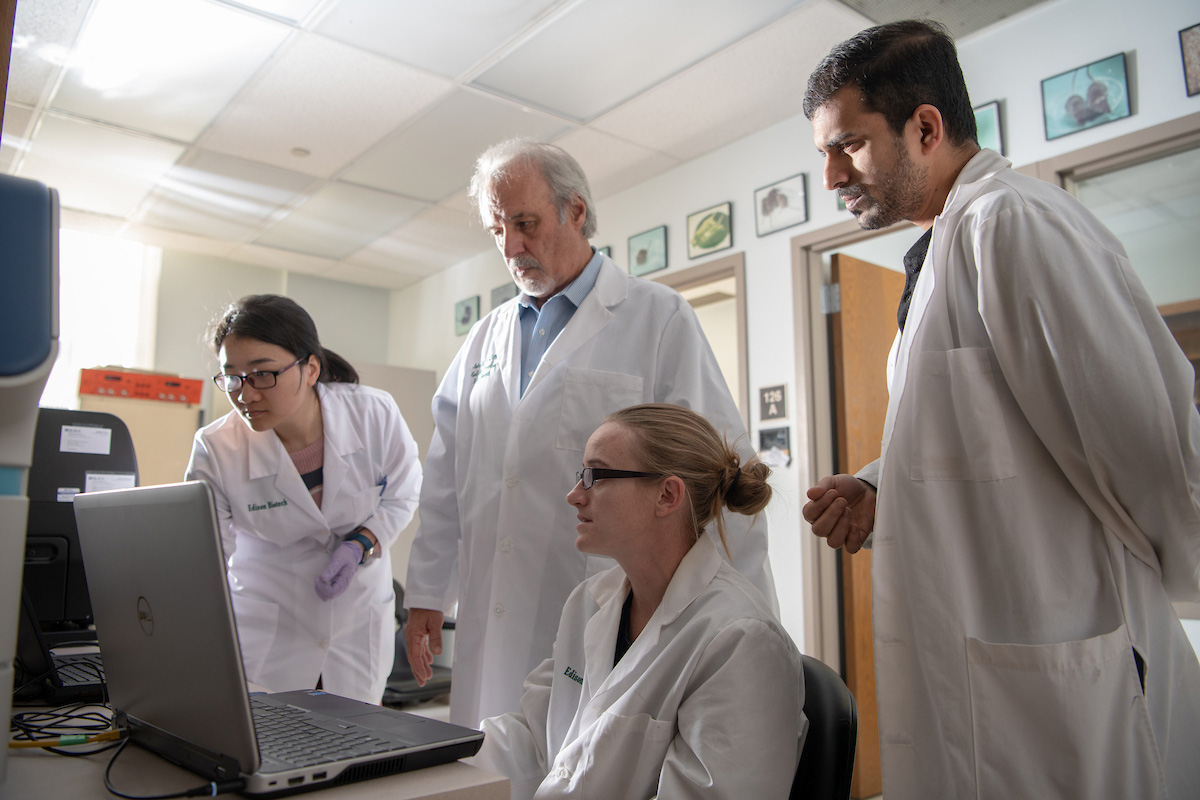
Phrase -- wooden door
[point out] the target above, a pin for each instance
(861, 334)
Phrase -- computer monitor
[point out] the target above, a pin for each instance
(28, 348)
(73, 451)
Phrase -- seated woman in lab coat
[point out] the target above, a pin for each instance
(670, 675)
(314, 478)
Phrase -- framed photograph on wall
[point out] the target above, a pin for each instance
(1085, 97)
(710, 230)
(466, 314)
(781, 204)
(648, 251)
(987, 123)
(502, 294)
(1189, 47)
(606, 250)
(774, 447)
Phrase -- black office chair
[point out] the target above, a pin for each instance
(827, 761)
(402, 689)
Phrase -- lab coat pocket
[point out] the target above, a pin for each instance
(958, 423)
(257, 626)
(588, 396)
(618, 756)
(364, 503)
(1061, 720)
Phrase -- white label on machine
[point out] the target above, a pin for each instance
(85, 439)
(100, 481)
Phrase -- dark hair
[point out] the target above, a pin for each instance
(559, 169)
(280, 321)
(673, 440)
(898, 67)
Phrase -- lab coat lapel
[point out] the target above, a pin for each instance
(600, 633)
(694, 574)
(341, 440)
(266, 458)
(504, 338)
(593, 314)
(984, 164)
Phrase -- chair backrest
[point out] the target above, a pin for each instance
(827, 761)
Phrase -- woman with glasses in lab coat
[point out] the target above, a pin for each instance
(315, 477)
(670, 675)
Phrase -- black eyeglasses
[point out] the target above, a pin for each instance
(590, 475)
(259, 379)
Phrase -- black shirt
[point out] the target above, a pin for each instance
(913, 260)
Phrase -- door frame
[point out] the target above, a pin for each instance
(730, 266)
(814, 438)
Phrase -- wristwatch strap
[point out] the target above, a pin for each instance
(368, 546)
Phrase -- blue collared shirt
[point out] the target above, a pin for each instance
(540, 328)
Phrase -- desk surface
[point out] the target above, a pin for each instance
(35, 774)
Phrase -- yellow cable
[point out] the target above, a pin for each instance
(69, 741)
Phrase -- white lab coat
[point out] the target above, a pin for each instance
(1039, 500)
(497, 534)
(277, 541)
(706, 703)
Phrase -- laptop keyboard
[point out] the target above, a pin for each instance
(284, 733)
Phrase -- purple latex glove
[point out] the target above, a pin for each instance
(343, 563)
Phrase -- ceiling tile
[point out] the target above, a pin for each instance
(164, 68)
(602, 52)
(959, 18)
(445, 38)
(215, 195)
(372, 276)
(96, 168)
(612, 164)
(43, 33)
(753, 84)
(281, 259)
(323, 96)
(91, 223)
(339, 219)
(435, 156)
(461, 201)
(291, 10)
(177, 240)
(14, 140)
(436, 239)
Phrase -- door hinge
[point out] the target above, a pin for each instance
(831, 298)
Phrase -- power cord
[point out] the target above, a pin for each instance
(67, 726)
(211, 789)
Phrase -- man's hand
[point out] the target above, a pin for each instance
(841, 510)
(423, 640)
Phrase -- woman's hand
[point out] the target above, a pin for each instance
(343, 563)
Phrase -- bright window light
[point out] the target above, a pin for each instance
(107, 301)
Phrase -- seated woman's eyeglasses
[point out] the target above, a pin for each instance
(259, 379)
(590, 475)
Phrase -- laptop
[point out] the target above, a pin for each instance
(51, 676)
(174, 669)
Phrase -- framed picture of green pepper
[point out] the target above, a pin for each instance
(710, 230)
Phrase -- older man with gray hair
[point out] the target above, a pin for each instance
(533, 380)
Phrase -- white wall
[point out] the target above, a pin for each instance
(1006, 63)
(352, 320)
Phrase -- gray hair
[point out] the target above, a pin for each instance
(561, 172)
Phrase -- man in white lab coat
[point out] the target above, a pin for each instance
(1036, 505)
(531, 383)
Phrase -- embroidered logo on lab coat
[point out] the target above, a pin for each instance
(485, 368)
(573, 675)
(265, 506)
